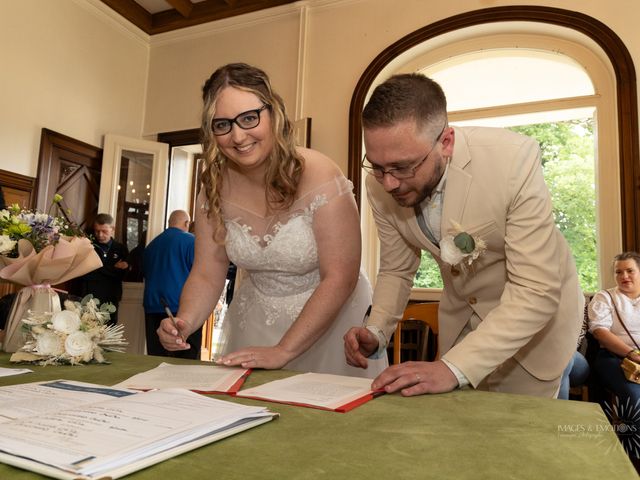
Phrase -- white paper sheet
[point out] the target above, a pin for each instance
(316, 389)
(202, 378)
(30, 399)
(96, 438)
(7, 372)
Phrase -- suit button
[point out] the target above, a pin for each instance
(455, 272)
(473, 300)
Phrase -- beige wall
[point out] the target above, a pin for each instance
(71, 68)
(340, 40)
(182, 61)
(68, 68)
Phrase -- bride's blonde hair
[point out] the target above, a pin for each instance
(284, 164)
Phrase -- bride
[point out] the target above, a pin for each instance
(286, 216)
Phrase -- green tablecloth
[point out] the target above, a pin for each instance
(463, 434)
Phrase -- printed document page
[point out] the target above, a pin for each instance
(314, 389)
(94, 439)
(29, 399)
(201, 378)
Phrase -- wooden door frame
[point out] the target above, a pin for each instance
(26, 187)
(178, 139)
(24, 184)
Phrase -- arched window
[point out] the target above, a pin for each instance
(550, 96)
(527, 73)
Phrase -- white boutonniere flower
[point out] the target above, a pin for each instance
(461, 248)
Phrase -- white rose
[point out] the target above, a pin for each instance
(6, 244)
(449, 252)
(65, 321)
(48, 343)
(79, 344)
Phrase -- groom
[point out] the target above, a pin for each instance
(511, 307)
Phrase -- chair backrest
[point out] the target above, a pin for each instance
(426, 313)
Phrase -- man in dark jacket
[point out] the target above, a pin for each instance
(105, 283)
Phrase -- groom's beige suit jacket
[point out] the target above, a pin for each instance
(520, 298)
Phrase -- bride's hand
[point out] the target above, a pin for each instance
(256, 357)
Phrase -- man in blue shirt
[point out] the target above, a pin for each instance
(166, 264)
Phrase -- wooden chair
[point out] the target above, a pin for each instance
(419, 324)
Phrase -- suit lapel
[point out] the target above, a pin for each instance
(457, 188)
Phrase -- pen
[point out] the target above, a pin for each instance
(167, 310)
(366, 316)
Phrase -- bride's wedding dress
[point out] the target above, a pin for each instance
(279, 259)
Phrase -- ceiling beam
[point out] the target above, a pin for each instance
(185, 13)
(184, 7)
(207, 11)
(132, 12)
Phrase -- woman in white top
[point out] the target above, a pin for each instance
(615, 342)
(604, 323)
(286, 216)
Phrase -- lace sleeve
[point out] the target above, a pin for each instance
(325, 193)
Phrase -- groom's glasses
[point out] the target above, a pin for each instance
(401, 172)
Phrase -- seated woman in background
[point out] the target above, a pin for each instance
(286, 216)
(605, 325)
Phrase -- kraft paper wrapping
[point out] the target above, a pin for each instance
(71, 257)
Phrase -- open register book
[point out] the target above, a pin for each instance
(317, 390)
(197, 378)
(74, 430)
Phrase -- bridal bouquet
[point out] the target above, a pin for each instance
(78, 334)
(39, 229)
(39, 250)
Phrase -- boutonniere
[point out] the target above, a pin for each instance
(460, 247)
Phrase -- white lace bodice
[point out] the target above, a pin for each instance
(279, 252)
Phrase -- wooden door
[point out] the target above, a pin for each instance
(72, 169)
(17, 189)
